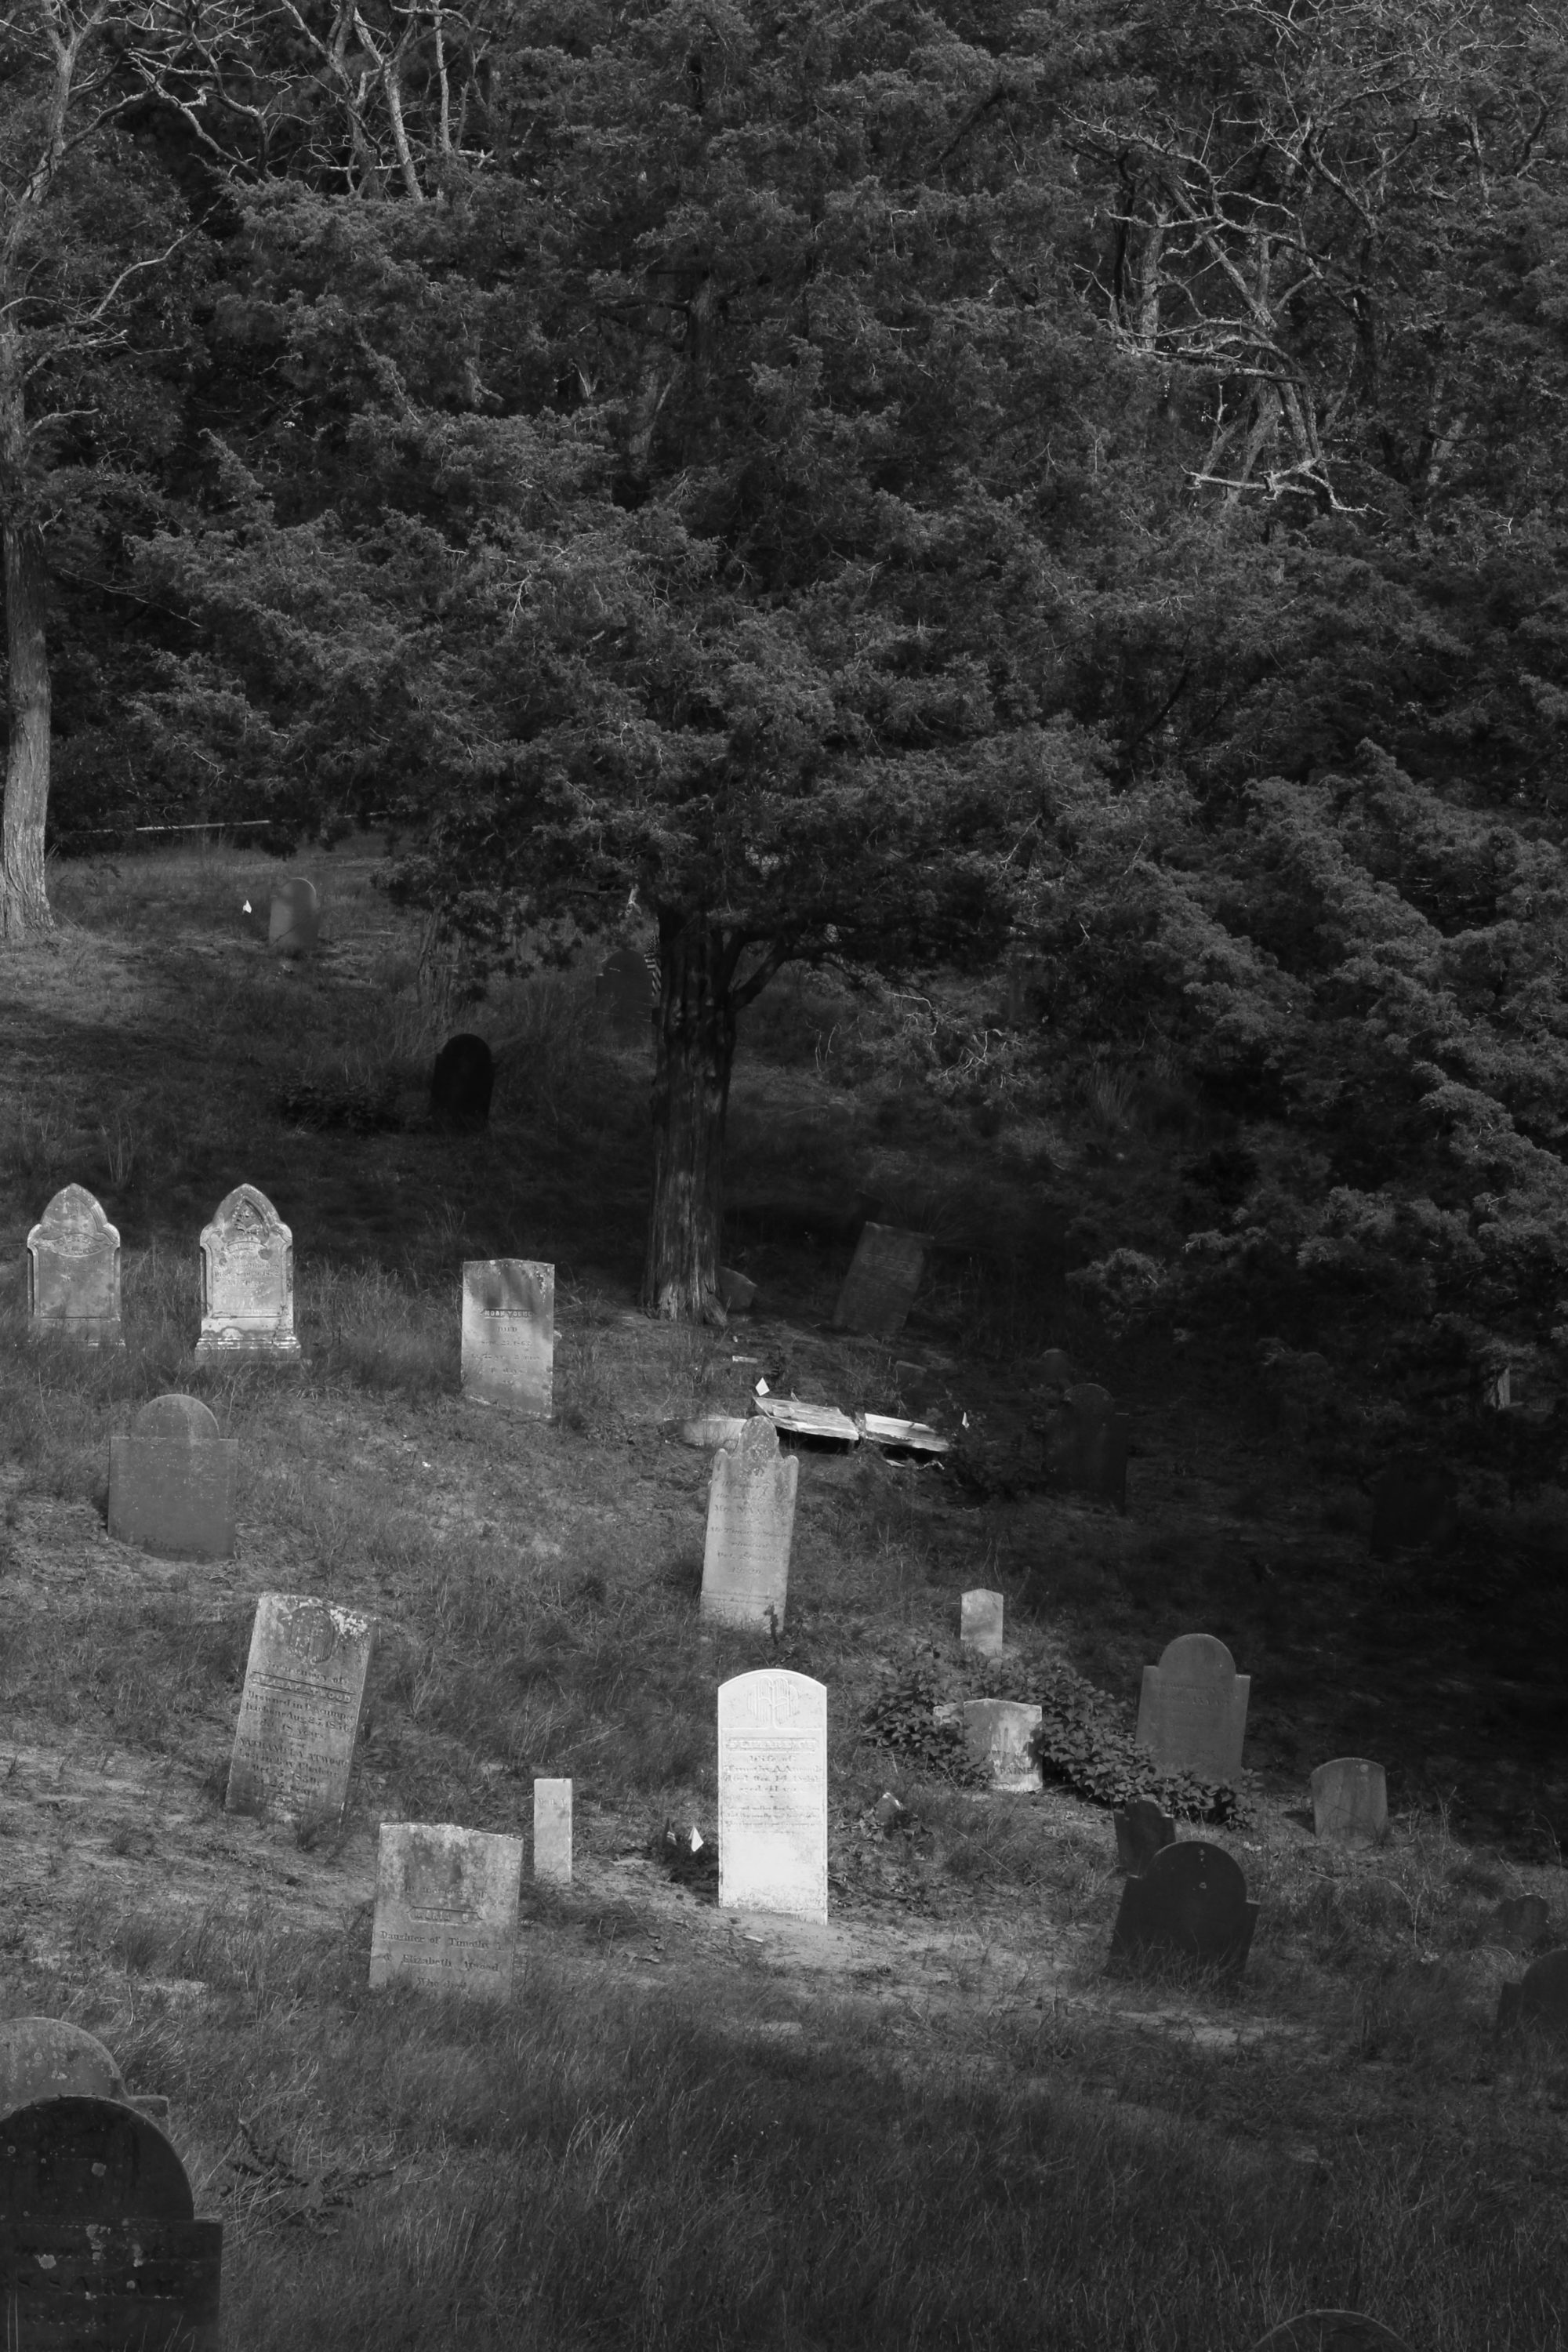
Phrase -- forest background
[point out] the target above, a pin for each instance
(1071, 490)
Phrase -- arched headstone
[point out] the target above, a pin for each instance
(1192, 1710)
(49, 2058)
(294, 928)
(73, 1272)
(1331, 2331)
(461, 1085)
(171, 1482)
(750, 1524)
(248, 1281)
(1191, 1904)
(1350, 1799)
(89, 2159)
(773, 1794)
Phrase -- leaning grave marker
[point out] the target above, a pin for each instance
(73, 1272)
(980, 1623)
(301, 1710)
(1350, 1799)
(750, 1524)
(879, 1288)
(552, 1833)
(1191, 1903)
(773, 1794)
(445, 1909)
(997, 1733)
(247, 1282)
(171, 1482)
(509, 1335)
(1192, 1710)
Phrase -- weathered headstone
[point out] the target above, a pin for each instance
(73, 1272)
(99, 2249)
(773, 1794)
(1415, 1503)
(997, 1733)
(299, 1712)
(461, 1085)
(1331, 2331)
(1093, 1437)
(1143, 1831)
(1350, 1799)
(295, 927)
(445, 1909)
(1541, 1998)
(1192, 1712)
(509, 1335)
(1190, 1903)
(1524, 1920)
(980, 1623)
(552, 1833)
(49, 2058)
(879, 1288)
(751, 1523)
(171, 1482)
(247, 1282)
(625, 995)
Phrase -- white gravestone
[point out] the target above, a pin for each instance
(552, 1833)
(299, 1714)
(879, 1288)
(1350, 1799)
(1191, 1711)
(508, 1334)
(751, 1522)
(247, 1282)
(445, 1909)
(980, 1623)
(773, 1794)
(73, 1272)
(998, 1732)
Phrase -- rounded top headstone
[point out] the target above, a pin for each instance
(1198, 1656)
(1331, 2331)
(1087, 1396)
(1195, 1869)
(87, 2159)
(178, 1417)
(49, 2058)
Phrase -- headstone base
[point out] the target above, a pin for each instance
(137, 2286)
(267, 1347)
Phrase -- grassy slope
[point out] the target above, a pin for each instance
(939, 2124)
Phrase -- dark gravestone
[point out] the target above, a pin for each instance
(879, 1288)
(1414, 1501)
(624, 993)
(49, 2058)
(1190, 1904)
(1331, 2331)
(1192, 1709)
(171, 1482)
(1524, 1920)
(1141, 1832)
(461, 1085)
(295, 924)
(99, 2251)
(1094, 1439)
(1541, 1998)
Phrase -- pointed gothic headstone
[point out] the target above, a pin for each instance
(247, 1282)
(73, 1272)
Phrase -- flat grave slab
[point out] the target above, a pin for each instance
(879, 1288)
(1190, 1904)
(171, 1481)
(901, 1436)
(799, 1419)
(445, 1909)
(73, 1272)
(1191, 1711)
(299, 1712)
(750, 1526)
(247, 1282)
(773, 1794)
(509, 1335)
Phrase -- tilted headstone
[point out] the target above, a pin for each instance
(100, 2249)
(247, 1282)
(751, 1524)
(879, 1288)
(1414, 1501)
(1093, 1441)
(1331, 2331)
(997, 1733)
(73, 1272)
(1143, 1831)
(773, 1794)
(171, 1482)
(1190, 1904)
(295, 927)
(1524, 1920)
(1350, 1799)
(509, 1335)
(625, 995)
(1192, 1712)
(461, 1085)
(299, 1712)
(1541, 1998)
(445, 1909)
(552, 1833)
(980, 1623)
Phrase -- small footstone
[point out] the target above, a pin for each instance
(1349, 1800)
(1541, 1998)
(1191, 1904)
(1143, 1831)
(552, 1833)
(171, 1482)
(461, 1085)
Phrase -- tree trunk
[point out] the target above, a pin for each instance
(24, 904)
(695, 1046)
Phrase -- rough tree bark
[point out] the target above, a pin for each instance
(24, 902)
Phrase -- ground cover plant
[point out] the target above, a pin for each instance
(941, 2121)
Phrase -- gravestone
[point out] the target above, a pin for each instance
(171, 1482)
(100, 2249)
(445, 1909)
(48, 2058)
(1192, 1712)
(300, 1712)
(879, 1288)
(1094, 1444)
(509, 1335)
(736, 1291)
(624, 993)
(1540, 1999)
(1415, 1503)
(1143, 1831)
(751, 1522)
(247, 1282)
(1053, 1370)
(295, 926)
(1331, 2331)
(1190, 1903)
(1350, 1799)
(552, 1833)
(980, 1623)
(773, 1794)
(1524, 1920)
(461, 1085)
(73, 1272)
(998, 1732)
